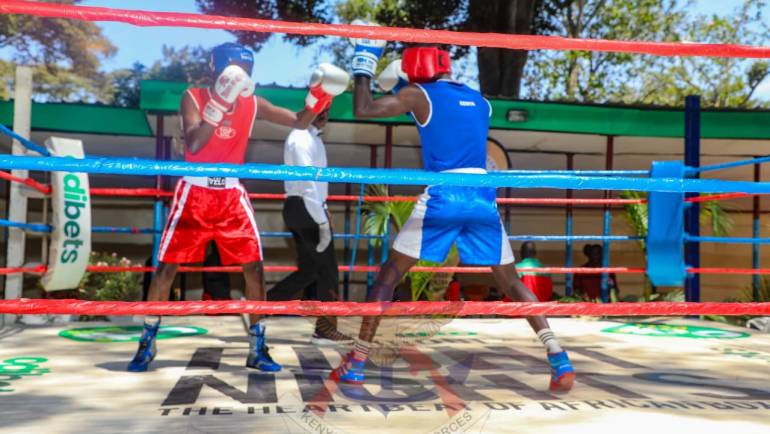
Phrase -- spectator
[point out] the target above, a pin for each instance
(589, 286)
(540, 284)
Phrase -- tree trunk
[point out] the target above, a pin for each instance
(500, 70)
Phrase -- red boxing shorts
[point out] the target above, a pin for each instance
(206, 209)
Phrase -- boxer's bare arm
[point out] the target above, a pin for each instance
(300, 120)
(196, 132)
(409, 99)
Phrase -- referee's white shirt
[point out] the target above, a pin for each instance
(305, 148)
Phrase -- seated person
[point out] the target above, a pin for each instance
(540, 284)
(589, 286)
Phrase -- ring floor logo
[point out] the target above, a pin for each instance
(19, 367)
(127, 333)
(675, 331)
(466, 384)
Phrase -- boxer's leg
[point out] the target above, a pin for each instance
(160, 288)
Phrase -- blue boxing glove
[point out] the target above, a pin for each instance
(393, 78)
(366, 53)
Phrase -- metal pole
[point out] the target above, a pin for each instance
(388, 149)
(157, 210)
(569, 230)
(756, 281)
(607, 223)
(17, 200)
(388, 163)
(692, 213)
(346, 247)
(370, 242)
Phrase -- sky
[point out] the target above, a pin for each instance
(278, 62)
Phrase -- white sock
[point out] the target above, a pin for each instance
(151, 320)
(361, 349)
(549, 341)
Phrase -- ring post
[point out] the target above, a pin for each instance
(346, 247)
(665, 234)
(692, 214)
(756, 211)
(607, 222)
(17, 202)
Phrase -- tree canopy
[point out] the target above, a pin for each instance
(499, 71)
(66, 55)
(637, 79)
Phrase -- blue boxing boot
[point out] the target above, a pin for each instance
(350, 370)
(562, 372)
(259, 356)
(147, 350)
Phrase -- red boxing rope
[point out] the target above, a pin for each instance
(373, 269)
(724, 196)
(515, 42)
(29, 182)
(152, 192)
(317, 308)
(342, 268)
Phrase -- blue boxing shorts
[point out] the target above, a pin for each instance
(447, 214)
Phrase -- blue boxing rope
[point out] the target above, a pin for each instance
(44, 228)
(563, 238)
(576, 172)
(31, 227)
(29, 144)
(693, 170)
(726, 240)
(39, 227)
(124, 166)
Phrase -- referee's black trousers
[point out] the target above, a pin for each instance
(316, 271)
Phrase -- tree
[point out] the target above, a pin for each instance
(66, 55)
(499, 71)
(597, 76)
(639, 79)
(307, 11)
(187, 64)
(721, 82)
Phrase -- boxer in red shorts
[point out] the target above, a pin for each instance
(217, 122)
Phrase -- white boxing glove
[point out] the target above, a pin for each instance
(324, 236)
(326, 82)
(393, 78)
(212, 113)
(366, 52)
(233, 81)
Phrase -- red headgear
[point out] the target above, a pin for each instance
(424, 64)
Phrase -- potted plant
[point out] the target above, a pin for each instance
(119, 286)
(711, 213)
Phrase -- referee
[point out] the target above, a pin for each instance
(305, 214)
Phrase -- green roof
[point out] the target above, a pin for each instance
(163, 97)
(541, 116)
(82, 118)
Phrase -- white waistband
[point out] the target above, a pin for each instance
(473, 170)
(212, 181)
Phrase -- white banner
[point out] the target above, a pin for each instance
(71, 220)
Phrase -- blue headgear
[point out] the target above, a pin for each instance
(230, 53)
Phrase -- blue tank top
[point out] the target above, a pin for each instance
(455, 134)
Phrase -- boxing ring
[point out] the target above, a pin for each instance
(641, 366)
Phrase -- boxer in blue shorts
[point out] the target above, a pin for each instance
(453, 122)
